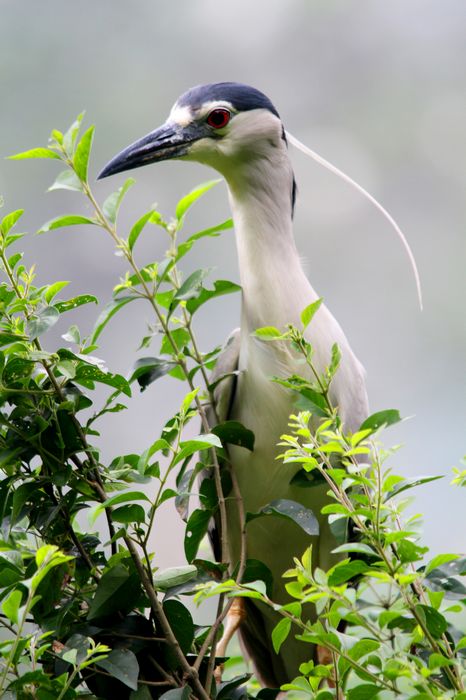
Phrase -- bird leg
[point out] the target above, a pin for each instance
(233, 621)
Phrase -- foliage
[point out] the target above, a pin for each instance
(92, 615)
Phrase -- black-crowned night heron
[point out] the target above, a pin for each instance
(236, 130)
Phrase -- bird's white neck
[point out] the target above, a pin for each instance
(275, 288)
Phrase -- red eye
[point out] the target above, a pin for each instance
(218, 118)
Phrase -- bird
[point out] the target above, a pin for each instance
(236, 130)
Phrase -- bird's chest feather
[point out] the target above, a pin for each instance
(264, 407)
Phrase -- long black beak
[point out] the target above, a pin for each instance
(168, 141)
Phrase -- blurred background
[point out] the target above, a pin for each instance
(377, 88)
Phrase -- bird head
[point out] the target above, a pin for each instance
(221, 125)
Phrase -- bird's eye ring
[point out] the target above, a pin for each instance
(218, 118)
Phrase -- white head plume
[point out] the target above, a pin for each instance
(315, 156)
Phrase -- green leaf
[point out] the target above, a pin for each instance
(71, 304)
(309, 312)
(67, 180)
(280, 632)
(268, 333)
(68, 220)
(82, 153)
(130, 513)
(439, 661)
(411, 483)
(177, 694)
(186, 202)
(344, 571)
(224, 690)
(381, 418)
(257, 571)
(359, 547)
(284, 508)
(11, 605)
(234, 433)
(203, 442)
(16, 369)
(439, 560)
(108, 312)
(35, 153)
(213, 231)
(53, 290)
(148, 369)
(174, 576)
(435, 622)
(196, 528)
(70, 136)
(189, 287)
(119, 498)
(113, 202)
(181, 623)
(137, 229)
(362, 648)
(42, 322)
(334, 362)
(123, 665)
(10, 220)
(310, 400)
(116, 591)
(221, 287)
(365, 691)
(91, 373)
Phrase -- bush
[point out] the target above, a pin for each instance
(91, 615)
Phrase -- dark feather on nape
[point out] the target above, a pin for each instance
(294, 192)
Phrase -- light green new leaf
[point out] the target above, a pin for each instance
(309, 312)
(108, 312)
(268, 333)
(186, 202)
(280, 633)
(11, 604)
(10, 220)
(73, 303)
(112, 203)
(68, 220)
(381, 418)
(70, 136)
(53, 290)
(203, 442)
(439, 560)
(82, 153)
(137, 229)
(213, 232)
(67, 180)
(221, 287)
(35, 153)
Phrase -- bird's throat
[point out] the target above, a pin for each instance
(274, 285)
